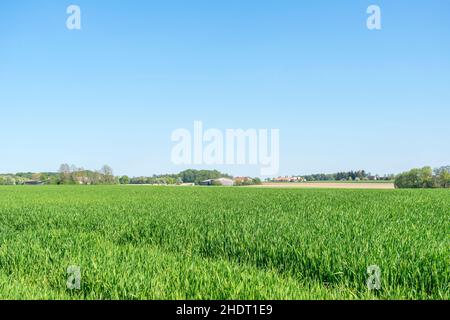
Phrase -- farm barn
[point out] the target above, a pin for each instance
(220, 181)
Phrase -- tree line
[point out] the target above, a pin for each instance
(186, 176)
(71, 175)
(344, 176)
(424, 177)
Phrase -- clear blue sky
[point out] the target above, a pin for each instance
(342, 96)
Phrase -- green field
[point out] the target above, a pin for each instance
(223, 243)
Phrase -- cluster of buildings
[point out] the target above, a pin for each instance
(288, 179)
(238, 181)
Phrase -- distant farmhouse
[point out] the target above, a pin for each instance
(218, 182)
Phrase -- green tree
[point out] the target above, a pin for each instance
(443, 176)
(444, 179)
(124, 180)
(416, 178)
(108, 175)
(64, 174)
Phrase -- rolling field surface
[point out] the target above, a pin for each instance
(223, 243)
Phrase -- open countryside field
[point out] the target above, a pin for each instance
(223, 243)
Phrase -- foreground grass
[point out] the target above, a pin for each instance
(223, 243)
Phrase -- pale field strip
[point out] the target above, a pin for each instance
(329, 185)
